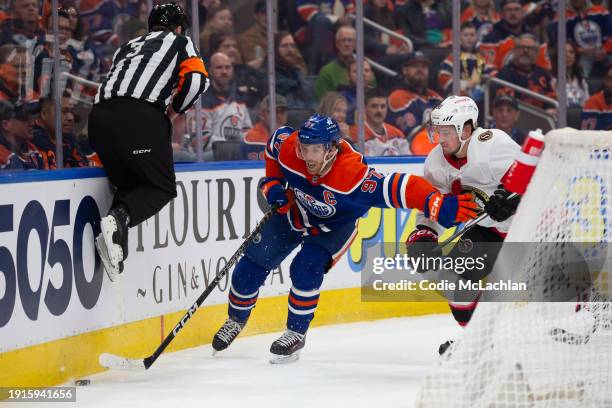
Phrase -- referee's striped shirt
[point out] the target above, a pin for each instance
(157, 67)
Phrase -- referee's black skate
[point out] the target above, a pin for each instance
(226, 335)
(286, 348)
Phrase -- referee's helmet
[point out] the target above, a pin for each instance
(169, 15)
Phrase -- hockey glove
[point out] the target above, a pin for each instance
(450, 210)
(275, 194)
(421, 241)
(500, 207)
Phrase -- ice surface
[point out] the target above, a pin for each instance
(375, 364)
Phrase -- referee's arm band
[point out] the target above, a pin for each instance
(193, 80)
(189, 66)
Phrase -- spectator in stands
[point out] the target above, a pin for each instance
(474, 68)
(315, 26)
(4, 9)
(590, 28)
(16, 149)
(576, 85)
(379, 46)
(76, 24)
(597, 111)
(383, 12)
(496, 46)
(426, 22)
(482, 15)
(506, 115)
(381, 139)
(14, 67)
(349, 91)
(44, 134)
(86, 63)
(203, 7)
(43, 53)
(132, 27)
(335, 72)
(182, 148)
(421, 143)
(23, 28)
(410, 103)
(524, 72)
(104, 20)
(248, 80)
(137, 25)
(335, 105)
(85, 150)
(253, 42)
(254, 143)
(218, 20)
(225, 114)
(290, 79)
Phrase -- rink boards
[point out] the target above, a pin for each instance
(58, 310)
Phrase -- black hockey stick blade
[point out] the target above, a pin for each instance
(122, 363)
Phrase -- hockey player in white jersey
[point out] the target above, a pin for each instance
(468, 159)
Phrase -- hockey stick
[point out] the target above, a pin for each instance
(466, 227)
(122, 363)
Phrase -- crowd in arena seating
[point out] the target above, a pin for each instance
(315, 71)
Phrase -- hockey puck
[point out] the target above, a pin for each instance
(82, 382)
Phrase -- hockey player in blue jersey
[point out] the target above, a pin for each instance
(321, 187)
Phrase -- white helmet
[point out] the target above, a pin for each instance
(455, 111)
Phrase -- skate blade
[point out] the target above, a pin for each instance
(114, 251)
(111, 271)
(276, 359)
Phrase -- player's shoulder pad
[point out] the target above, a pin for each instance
(488, 143)
(276, 140)
(493, 136)
(435, 156)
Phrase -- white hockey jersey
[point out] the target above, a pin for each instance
(490, 154)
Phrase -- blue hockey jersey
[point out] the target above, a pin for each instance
(345, 193)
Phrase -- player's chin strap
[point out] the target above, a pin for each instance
(328, 160)
(461, 144)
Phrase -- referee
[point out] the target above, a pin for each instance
(130, 130)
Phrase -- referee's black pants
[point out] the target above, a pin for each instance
(132, 138)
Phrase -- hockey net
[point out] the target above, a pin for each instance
(543, 354)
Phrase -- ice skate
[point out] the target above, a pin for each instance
(112, 271)
(226, 335)
(114, 229)
(286, 348)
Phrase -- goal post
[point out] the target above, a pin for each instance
(522, 353)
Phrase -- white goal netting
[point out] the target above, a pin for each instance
(525, 354)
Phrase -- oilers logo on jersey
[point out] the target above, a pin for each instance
(588, 34)
(314, 206)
